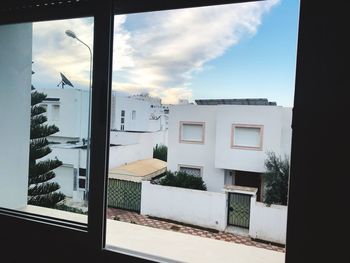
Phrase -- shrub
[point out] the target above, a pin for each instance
(182, 179)
(160, 152)
(276, 179)
(67, 208)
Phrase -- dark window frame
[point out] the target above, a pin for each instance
(103, 14)
(320, 65)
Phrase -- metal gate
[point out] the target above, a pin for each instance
(124, 194)
(239, 210)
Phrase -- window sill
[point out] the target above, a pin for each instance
(169, 246)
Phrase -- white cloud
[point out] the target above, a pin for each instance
(55, 52)
(170, 46)
(158, 54)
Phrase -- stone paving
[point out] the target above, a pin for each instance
(136, 218)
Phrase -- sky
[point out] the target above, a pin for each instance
(228, 51)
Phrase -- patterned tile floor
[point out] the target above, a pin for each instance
(135, 218)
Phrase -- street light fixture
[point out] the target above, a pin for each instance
(71, 34)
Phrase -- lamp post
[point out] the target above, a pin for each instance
(71, 34)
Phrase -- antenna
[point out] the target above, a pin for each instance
(64, 81)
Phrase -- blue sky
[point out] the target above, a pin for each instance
(259, 66)
(230, 51)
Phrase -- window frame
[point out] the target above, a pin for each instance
(55, 112)
(314, 26)
(91, 234)
(200, 168)
(242, 147)
(197, 123)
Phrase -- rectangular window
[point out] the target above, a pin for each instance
(133, 115)
(191, 170)
(82, 172)
(122, 120)
(82, 183)
(55, 112)
(247, 136)
(82, 179)
(192, 132)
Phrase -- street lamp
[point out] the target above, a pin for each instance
(71, 34)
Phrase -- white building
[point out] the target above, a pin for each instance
(68, 109)
(133, 136)
(139, 113)
(227, 144)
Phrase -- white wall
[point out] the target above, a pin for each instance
(160, 138)
(268, 223)
(68, 156)
(74, 111)
(286, 137)
(119, 155)
(71, 159)
(124, 138)
(201, 208)
(142, 108)
(270, 117)
(65, 178)
(202, 155)
(15, 85)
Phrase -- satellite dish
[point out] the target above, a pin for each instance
(64, 81)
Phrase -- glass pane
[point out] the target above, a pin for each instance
(247, 136)
(192, 132)
(192, 76)
(45, 107)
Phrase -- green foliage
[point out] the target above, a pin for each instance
(41, 191)
(67, 208)
(276, 179)
(182, 179)
(160, 152)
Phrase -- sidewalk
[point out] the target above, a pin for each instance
(135, 218)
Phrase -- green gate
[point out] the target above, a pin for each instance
(124, 194)
(239, 210)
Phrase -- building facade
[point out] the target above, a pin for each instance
(227, 144)
(134, 133)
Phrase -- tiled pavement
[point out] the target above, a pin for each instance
(135, 218)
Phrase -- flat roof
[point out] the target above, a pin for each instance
(248, 101)
(139, 170)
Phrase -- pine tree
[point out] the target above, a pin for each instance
(41, 191)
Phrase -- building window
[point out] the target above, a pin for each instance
(82, 179)
(192, 132)
(122, 120)
(249, 137)
(133, 115)
(55, 112)
(191, 170)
